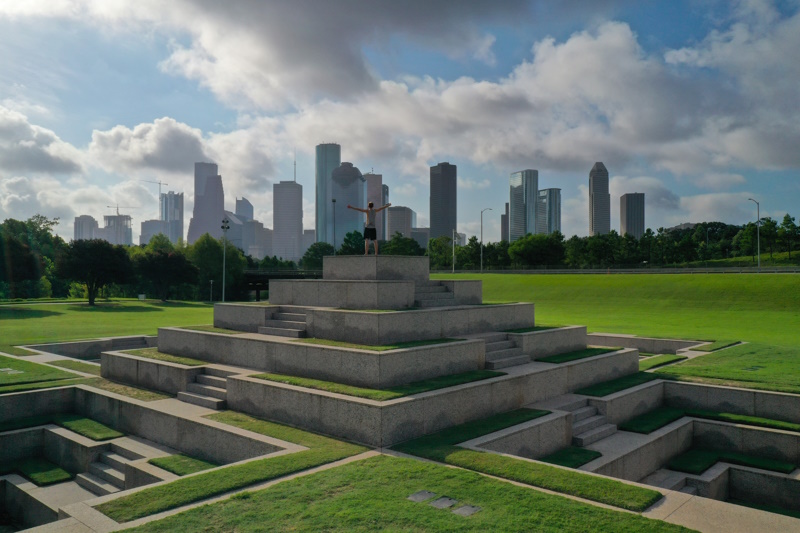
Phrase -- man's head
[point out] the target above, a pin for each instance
(370, 205)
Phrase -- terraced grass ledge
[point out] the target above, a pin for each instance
(615, 385)
(153, 353)
(714, 346)
(39, 470)
(658, 418)
(697, 461)
(660, 360)
(182, 465)
(79, 424)
(576, 355)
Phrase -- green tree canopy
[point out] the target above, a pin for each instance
(164, 270)
(206, 255)
(399, 245)
(787, 233)
(96, 263)
(353, 244)
(312, 259)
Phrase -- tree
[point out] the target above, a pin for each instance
(769, 233)
(787, 233)
(495, 255)
(165, 270)
(206, 255)
(276, 263)
(353, 244)
(312, 259)
(96, 263)
(538, 250)
(400, 245)
(17, 262)
(440, 252)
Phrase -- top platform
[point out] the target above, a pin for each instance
(372, 268)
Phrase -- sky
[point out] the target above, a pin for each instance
(693, 102)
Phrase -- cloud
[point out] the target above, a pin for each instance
(468, 184)
(26, 147)
(719, 181)
(731, 207)
(656, 194)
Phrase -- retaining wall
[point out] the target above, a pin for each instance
(465, 291)
(242, 317)
(348, 294)
(534, 439)
(92, 349)
(548, 342)
(38, 402)
(756, 486)
(773, 405)
(21, 444)
(630, 403)
(643, 344)
(23, 506)
(375, 267)
(147, 373)
(760, 442)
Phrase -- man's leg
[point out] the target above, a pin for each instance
(375, 242)
(366, 247)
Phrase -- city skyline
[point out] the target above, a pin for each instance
(690, 102)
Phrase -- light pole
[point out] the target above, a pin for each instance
(758, 231)
(334, 225)
(226, 225)
(454, 251)
(211, 290)
(482, 210)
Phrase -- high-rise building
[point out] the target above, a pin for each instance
(171, 212)
(421, 236)
(309, 238)
(443, 200)
(400, 220)
(375, 194)
(631, 214)
(599, 200)
(256, 239)
(151, 228)
(524, 186)
(329, 157)
(117, 229)
(244, 209)
(235, 233)
(548, 211)
(209, 203)
(384, 201)
(504, 225)
(85, 228)
(287, 220)
(348, 188)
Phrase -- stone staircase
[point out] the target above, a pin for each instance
(501, 352)
(668, 479)
(587, 425)
(106, 475)
(209, 389)
(433, 294)
(128, 343)
(285, 323)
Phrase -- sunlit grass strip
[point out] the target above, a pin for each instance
(383, 394)
(86, 368)
(660, 360)
(24, 387)
(16, 350)
(79, 424)
(153, 353)
(441, 447)
(182, 465)
(714, 346)
(187, 490)
(42, 472)
(615, 385)
(571, 457)
(376, 347)
(698, 461)
(18, 372)
(576, 355)
(660, 417)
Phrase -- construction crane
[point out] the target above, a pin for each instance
(160, 183)
(123, 207)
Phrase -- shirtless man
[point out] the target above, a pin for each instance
(370, 234)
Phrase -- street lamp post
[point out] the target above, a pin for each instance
(482, 210)
(334, 225)
(226, 225)
(211, 290)
(758, 231)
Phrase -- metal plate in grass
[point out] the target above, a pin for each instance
(421, 496)
(444, 502)
(466, 510)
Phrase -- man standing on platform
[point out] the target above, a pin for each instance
(370, 233)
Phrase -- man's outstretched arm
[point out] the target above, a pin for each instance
(356, 208)
(382, 208)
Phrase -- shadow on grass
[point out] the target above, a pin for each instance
(16, 313)
(114, 308)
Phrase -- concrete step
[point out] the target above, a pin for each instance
(433, 295)
(665, 479)
(108, 473)
(214, 381)
(503, 354)
(499, 345)
(114, 460)
(285, 324)
(583, 413)
(594, 435)
(133, 448)
(439, 303)
(582, 426)
(202, 401)
(282, 332)
(490, 338)
(207, 390)
(429, 288)
(218, 372)
(507, 362)
(689, 490)
(94, 484)
(291, 317)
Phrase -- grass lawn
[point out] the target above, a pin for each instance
(442, 447)
(660, 417)
(577, 354)
(615, 385)
(187, 490)
(18, 372)
(86, 368)
(182, 465)
(714, 346)
(39, 470)
(571, 457)
(384, 394)
(153, 353)
(698, 461)
(655, 419)
(377, 347)
(660, 360)
(35, 324)
(372, 495)
(79, 424)
(14, 350)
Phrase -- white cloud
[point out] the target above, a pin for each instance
(468, 184)
(26, 147)
(719, 181)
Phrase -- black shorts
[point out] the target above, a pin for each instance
(370, 234)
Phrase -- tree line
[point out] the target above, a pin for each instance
(37, 263)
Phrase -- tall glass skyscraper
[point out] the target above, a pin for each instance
(209, 203)
(524, 186)
(171, 213)
(329, 157)
(631, 214)
(287, 220)
(443, 200)
(548, 211)
(599, 200)
(348, 186)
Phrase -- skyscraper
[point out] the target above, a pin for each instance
(548, 211)
(504, 225)
(171, 213)
(375, 194)
(443, 200)
(84, 228)
(209, 203)
(599, 200)
(287, 220)
(151, 228)
(384, 201)
(631, 214)
(524, 186)
(401, 220)
(244, 209)
(348, 186)
(117, 229)
(329, 157)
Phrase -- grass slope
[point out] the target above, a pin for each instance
(698, 461)
(660, 417)
(182, 465)
(577, 354)
(615, 385)
(79, 424)
(660, 360)
(86, 368)
(18, 372)
(372, 495)
(571, 457)
(714, 346)
(39, 470)
(153, 353)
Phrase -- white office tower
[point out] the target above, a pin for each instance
(401, 220)
(287, 220)
(599, 200)
(375, 194)
(171, 213)
(524, 186)
(244, 209)
(209, 203)
(631, 214)
(349, 187)
(85, 228)
(548, 211)
(117, 229)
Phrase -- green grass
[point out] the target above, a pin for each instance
(86, 368)
(660, 360)
(577, 354)
(205, 485)
(655, 419)
(182, 465)
(377, 347)
(18, 372)
(571, 457)
(372, 495)
(153, 353)
(39, 470)
(441, 447)
(79, 424)
(144, 395)
(615, 385)
(698, 461)
(660, 417)
(714, 346)
(7, 389)
(531, 329)
(36, 324)
(15, 350)
(752, 365)
(208, 328)
(383, 394)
